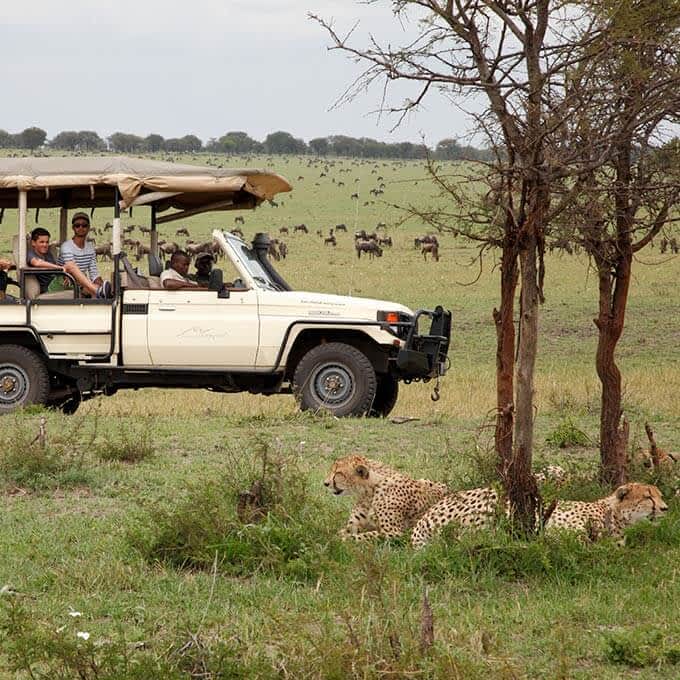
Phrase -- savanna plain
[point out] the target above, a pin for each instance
(123, 555)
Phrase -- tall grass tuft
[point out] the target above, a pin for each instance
(36, 452)
(131, 442)
(288, 534)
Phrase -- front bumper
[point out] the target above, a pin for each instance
(425, 356)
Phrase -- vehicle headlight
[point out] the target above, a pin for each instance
(398, 322)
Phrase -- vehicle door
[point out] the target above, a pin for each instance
(198, 328)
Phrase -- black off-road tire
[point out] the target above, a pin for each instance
(385, 396)
(337, 378)
(24, 379)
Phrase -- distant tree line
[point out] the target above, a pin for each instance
(239, 143)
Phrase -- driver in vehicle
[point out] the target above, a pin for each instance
(39, 257)
(176, 276)
(204, 264)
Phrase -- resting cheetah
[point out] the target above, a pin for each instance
(388, 502)
(605, 517)
(608, 516)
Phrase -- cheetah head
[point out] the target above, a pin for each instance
(351, 474)
(634, 502)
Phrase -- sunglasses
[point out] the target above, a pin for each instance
(81, 224)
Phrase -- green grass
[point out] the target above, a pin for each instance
(128, 514)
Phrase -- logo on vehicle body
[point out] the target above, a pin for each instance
(196, 332)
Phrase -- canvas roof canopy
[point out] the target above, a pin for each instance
(90, 181)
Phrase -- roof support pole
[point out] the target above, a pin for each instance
(115, 248)
(63, 224)
(154, 232)
(23, 209)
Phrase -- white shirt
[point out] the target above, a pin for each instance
(172, 275)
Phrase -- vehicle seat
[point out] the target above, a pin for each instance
(155, 265)
(31, 285)
(132, 278)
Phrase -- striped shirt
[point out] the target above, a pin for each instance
(85, 258)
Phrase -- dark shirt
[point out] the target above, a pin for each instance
(43, 279)
(200, 280)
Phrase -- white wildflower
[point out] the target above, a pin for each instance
(83, 635)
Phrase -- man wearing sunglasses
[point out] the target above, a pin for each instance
(81, 252)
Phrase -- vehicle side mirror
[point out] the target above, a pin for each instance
(216, 280)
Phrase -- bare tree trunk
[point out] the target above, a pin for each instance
(521, 484)
(610, 322)
(505, 359)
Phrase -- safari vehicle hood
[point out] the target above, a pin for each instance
(302, 304)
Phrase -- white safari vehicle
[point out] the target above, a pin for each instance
(343, 354)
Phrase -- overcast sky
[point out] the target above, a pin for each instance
(199, 66)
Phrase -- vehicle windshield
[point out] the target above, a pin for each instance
(258, 273)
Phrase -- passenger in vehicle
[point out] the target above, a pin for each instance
(5, 266)
(176, 276)
(80, 252)
(39, 257)
(204, 264)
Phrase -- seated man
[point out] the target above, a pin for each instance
(204, 264)
(176, 277)
(5, 266)
(39, 256)
(80, 252)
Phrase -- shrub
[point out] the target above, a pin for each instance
(639, 648)
(34, 453)
(289, 537)
(131, 443)
(566, 434)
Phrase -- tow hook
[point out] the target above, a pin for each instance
(435, 396)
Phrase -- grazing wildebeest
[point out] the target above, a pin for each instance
(428, 238)
(283, 249)
(194, 249)
(330, 241)
(370, 247)
(169, 248)
(360, 235)
(108, 226)
(387, 241)
(341, 227)
(182, 231)
(104, 251)
(431, 248)
(129, 230)
(283, 230)
(145, 230)
(381, 225)
(239, 220)
(300, 227)
(272, 250)
(673, 243)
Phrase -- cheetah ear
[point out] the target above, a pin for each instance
(362, 471)
(622, 492)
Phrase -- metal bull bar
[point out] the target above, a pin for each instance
(424, 357)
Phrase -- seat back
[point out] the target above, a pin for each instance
(133, 279)
(155, 265)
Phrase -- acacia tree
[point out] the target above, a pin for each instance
(516, 54)
(633, 92)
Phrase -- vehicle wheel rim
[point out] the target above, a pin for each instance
(333, 384)
(14, 385)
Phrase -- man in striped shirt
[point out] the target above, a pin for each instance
(81, 251)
